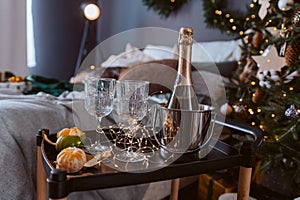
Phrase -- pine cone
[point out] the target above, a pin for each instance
(258, 95)
(295, 19)
(292, 53)
(258, 39)
(248, 70)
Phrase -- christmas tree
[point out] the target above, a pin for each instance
(265, 89)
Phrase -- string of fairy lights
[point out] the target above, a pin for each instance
(253, 109)
(218, 15)
(231, 22)
(277, 112)
(235, 23)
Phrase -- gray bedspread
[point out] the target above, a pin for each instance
(20, 119)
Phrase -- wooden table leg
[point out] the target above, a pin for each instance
(174, 189)
(244, 183)
(41, 185)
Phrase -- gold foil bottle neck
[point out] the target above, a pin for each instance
(186, 31)
(185, 36)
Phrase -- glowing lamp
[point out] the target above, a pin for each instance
(91, 11)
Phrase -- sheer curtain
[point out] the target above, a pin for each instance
(31, 59)
(13, 37)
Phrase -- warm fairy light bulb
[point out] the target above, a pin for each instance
(267, 40)
(284, 95)
(247, 19)
(218, 12)
(252, 16)
(258, 110)
(92, 67)
(261, 127)
(234, 28)
(241, 32)
(273, 115)
(250, 111)
(172, 1)
(253, 83)
(291, 88)
(266, 137)
(227, 15)
(253, 123)
(261, 52)
(276, 137)
(231, 20)
(251, 5)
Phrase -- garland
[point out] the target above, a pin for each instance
(217, 15)
(165, 7)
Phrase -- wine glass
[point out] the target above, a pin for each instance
(130, 106)
(99, 95)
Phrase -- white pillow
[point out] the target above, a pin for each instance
(209, 84)
(216, 51)
(130, 56)
(161, 52)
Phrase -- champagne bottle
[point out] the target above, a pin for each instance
(183, 96)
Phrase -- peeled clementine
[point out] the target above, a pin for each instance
(72, 159)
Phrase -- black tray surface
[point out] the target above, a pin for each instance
(221, 155)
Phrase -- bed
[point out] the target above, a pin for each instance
(21, 116)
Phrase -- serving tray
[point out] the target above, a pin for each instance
(221, 156)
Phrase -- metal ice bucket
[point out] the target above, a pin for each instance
(182, 131)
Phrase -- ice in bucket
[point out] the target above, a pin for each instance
(181, 131)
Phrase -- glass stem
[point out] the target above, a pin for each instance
(99, 129)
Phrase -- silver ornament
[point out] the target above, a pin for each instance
(226, 109)
(283, 4)
(291, 112)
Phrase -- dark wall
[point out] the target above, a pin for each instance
(120, 15)
(58, 28)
